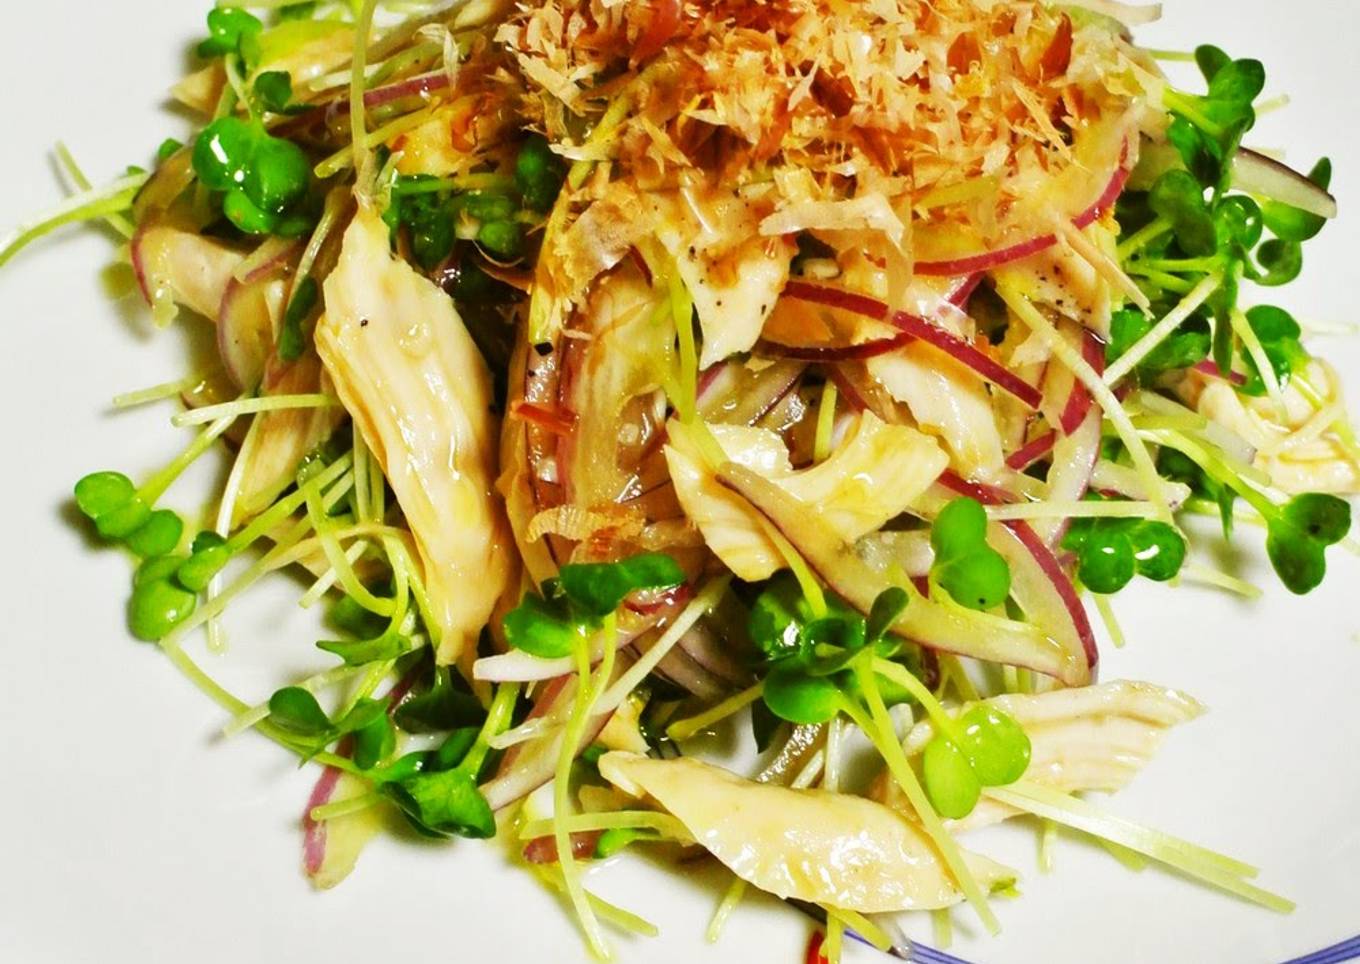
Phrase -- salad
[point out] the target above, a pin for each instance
(617, 372)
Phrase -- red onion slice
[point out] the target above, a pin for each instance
(990, 260)
(918, 328)
(1042, 555)
(1258, 174)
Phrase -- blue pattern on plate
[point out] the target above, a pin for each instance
(1336, 954)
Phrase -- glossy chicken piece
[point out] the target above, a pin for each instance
(1094, 738)
(1296, 448)
(828, 848)
(418, 390)
(876, 474)
(947, 400)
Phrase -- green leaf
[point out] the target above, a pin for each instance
(446, 804)
(1237, 82)
(442, 707)
(1299, 561)
(274, 90)
(777, 617)
(996, 746)
(374, 742)
(229, 30)
(292, 339)
(1325, 518)
(598, 589)
(959, 529)
(980, 580)
(1158, 550)
(296, 710)
(159, 535)
(801, 699)
(1290, 223)
(1185, 347)
(103, 492)
(764, 725)
(888, 607)
(541, 628)
(360, 652)
(1281, 262)
(1210, 60)
(1179, 197)
(950, 783)
(1279, 335)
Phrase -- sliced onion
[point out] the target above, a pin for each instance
(1211, 370)
(528, 766)
(1042, 556)
(1025, 456)
(1258, 174)
(952, 629)
(918, 328)
(991, 260)
(1074, 459)
(1079, 402)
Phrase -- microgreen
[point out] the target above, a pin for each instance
(988, 748)
(445, 706)
(273, 90)
(972, 572)
(809, 659)
(1279, 334)
(296, 712)
(231, 31)
(550, 626)
(1291, 224)
(301, 306)
(1298, 533)
(262, 179)
(1186, 347)
(1110, 552)
(388, 645)
(539, 174)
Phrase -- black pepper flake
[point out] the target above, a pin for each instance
(363, 322)
(544, 348)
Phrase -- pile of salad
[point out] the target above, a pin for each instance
(619, 371)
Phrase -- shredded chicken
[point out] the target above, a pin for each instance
(829, 848)
(419, 391)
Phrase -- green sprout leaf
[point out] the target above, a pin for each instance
(230, 30)
(1289, 223)
(801, 699)
(361, 652)
(1280, 336)
(1179, 197)
(973, 573)
(541, 628)
(443, 707)
(273, 90)
(446, 804)
(1281, 262)
(598, 589)
(996, 746)
(888, 607)
(539, 174)
(296, 710)
(950, 783)
(159, 535)
(1187, 346)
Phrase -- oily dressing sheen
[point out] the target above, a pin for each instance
(410, 375)
(828, 848)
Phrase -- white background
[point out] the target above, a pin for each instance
(130, 832)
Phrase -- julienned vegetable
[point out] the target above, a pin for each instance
(615, 370)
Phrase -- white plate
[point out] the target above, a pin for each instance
(130, 832)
